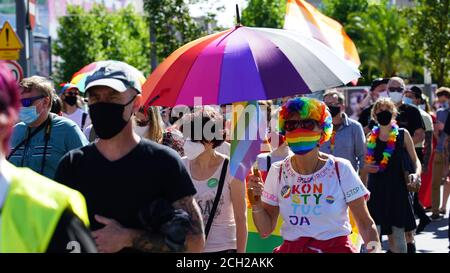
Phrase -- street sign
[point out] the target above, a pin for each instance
(10, 44)
(16, 69)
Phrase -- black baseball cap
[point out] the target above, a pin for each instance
(377, 82)
(417, 91)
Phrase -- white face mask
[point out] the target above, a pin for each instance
(383, 94)
(141, 131)
(193, 149)
(396, 97)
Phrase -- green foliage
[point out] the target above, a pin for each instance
(264, 13)
(431, 35)
(85, 37)
(382, 43)
(171, 25)
(339, 10)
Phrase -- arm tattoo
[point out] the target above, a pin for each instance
(150, 242)
(155, 242)
(189, 205)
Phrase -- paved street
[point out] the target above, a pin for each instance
(434, 239)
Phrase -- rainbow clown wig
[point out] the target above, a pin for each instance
(308, 108)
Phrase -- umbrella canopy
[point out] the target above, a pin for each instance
(243, 64)
(79, 78)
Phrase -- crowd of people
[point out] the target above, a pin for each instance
(98, 172)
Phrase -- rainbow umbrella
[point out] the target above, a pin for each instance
(243, 64)
(79, 78)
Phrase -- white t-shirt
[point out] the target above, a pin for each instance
(262, 159)
(77, 117)
(222, 235)
(428, 122)
(313, 205)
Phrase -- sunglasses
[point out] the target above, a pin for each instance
(71, 93)
(142, 123)
(396, 89)
(29, 101)
(308, 124)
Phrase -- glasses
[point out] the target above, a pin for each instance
(142, 123)
(29, 101)
(308, 124)
(396, 89)
(71, 93)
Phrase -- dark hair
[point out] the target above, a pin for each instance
(377, 82)
(205, 116)
(416, 91)
(57, 105)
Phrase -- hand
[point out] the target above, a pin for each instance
(414, 181)
(255, 188)
(371, 168)
(414, 178)
(112, 237)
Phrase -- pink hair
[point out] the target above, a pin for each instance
(9, 100)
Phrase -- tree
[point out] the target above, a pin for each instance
(264, 13)
(171, 26)
(431, 35)
(85, 37)
(339, 10)
(384, 49)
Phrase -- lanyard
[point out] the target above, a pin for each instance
(48, 128)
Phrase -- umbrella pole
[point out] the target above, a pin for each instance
(238, 17)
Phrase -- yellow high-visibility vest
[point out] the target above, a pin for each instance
(32, 209)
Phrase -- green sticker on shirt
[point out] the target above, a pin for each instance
(212, 183)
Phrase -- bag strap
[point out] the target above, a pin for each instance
(336, 167)
(216, 200)
(48, 131)
(269, 162)
(27, 138)
(83, 120)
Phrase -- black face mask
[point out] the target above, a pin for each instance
(334, 110)
(70, 100)
(107, 118)
(384, 118)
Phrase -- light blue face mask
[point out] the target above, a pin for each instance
(28, 114)
(408, 101)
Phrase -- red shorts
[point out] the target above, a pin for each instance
(310, 245)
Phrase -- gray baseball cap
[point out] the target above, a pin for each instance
(117, 75)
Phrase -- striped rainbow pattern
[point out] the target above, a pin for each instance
(243, 64)
(246, 140)
(302, 141)
(305, 18)
(308, 108)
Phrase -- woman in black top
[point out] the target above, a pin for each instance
(389, 203)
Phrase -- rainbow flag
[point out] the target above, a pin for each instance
(305, 18)
(247, 134)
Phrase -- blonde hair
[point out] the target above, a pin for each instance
(397, 79)
(443, 91)
(384, 102)
(155, 131)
